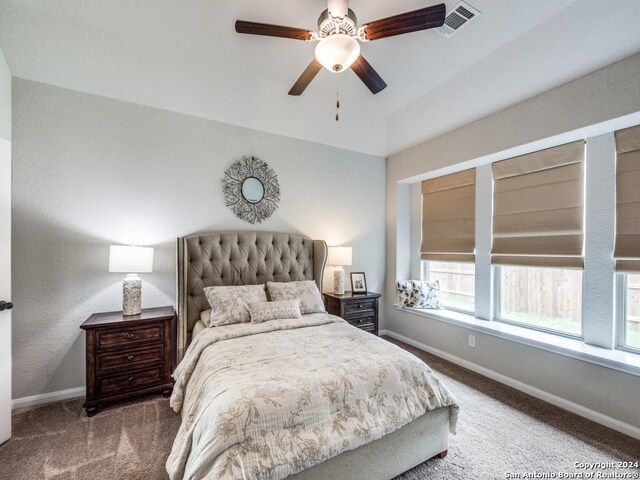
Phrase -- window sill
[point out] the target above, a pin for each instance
(622, 361)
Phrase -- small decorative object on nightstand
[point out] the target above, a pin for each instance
(338, 257)
(131, 260)
(360, 310)
(128, 355)
(358, 283)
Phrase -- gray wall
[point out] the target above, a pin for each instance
(5, 99)
(607, 94)
(91, 171)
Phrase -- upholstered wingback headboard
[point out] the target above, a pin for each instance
(239, 258)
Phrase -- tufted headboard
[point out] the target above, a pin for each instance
(239, 258)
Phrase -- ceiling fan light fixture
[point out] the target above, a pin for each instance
(337, 52)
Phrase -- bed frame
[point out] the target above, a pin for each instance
(253, 258)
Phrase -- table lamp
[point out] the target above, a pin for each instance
(337, 257)
(131, 260)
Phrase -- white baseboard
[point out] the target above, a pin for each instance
(563, 403)
(48, 398)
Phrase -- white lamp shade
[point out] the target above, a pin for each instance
(339, 256)
(124, 259)
(337, 52)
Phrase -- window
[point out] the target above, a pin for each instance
(538, 237)
(632, 311)
(531, 220)
(542, 298)
(627, 248)
(457, 283)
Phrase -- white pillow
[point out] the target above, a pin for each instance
(426, 295)
(231, 304)
(264, 311)
(306, 291)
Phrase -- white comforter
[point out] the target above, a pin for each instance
(266, 401)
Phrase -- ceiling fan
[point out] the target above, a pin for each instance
(338, 36)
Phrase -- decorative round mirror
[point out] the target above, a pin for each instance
(251, 189)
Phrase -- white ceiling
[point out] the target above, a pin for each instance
(184, 56)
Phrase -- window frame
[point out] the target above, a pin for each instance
(622, 283)
(424, 274)
(497, 307)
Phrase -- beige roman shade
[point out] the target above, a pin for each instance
(449, 217)
(627, 249)
(538, 208)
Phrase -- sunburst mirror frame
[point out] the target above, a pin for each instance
(257, 210)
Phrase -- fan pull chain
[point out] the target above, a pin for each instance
(338, 100)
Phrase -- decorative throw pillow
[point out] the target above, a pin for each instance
(306, 291)
(263, 311)
(405, 293)
(426, 295)
(231, 304)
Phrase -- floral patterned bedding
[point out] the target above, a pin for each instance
(267, 400)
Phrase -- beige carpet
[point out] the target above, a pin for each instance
(501, 430)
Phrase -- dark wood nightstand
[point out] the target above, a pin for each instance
(128, 355)
(359, 309)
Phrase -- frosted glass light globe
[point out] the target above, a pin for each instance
(337, 52)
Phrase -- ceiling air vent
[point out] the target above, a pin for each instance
(458, 18)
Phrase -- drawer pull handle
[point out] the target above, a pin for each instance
(359, 306)
(131, 379)
(130, 335)
(130, 357)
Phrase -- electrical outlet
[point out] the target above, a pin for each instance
(472, 341)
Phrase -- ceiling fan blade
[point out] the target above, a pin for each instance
(368, 75)
(268, 30)
(423, 19)
(305, 79)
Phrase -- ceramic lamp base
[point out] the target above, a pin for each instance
(338, 280)
(132, 295)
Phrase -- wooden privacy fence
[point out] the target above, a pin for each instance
(633, 301)
(457, 281)
(559, 297)
(551, 293)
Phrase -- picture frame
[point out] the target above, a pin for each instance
(358, 283)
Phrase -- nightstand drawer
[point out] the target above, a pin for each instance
(130, 381)
(358, 311)
(356, 308)
(369, 327)
(118, 337)
(106, 362)
(364, 322)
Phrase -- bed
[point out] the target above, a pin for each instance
(308, 398)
